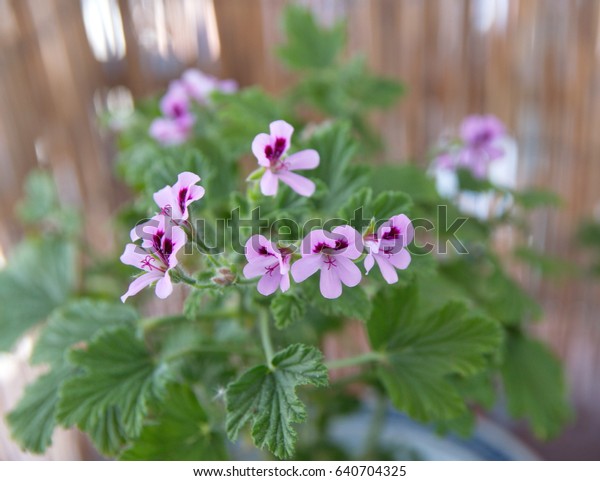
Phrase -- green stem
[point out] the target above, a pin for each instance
(153, 322)
(375, 428)
(265, 337)
(355, 361)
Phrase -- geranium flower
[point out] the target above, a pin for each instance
(270, 151)
(331, 253)
(176, 125)
(171, 131)
(269, 261)
(174, 200)
(199, 85)
(157, 256)
(480, 136)
(387, 247)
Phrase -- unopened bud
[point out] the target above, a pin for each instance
(224, 277)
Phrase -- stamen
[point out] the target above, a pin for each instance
(330, 261)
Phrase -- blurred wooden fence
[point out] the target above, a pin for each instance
(533, 63)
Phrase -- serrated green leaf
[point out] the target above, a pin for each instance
(32, 421)
(39, 278)
(77, 322)
(287, 309)
(118, 372)
(353, 303)
(106, 432)
(421, 352)
(308, 45)
(336, 148)
(356, 211)
(266, 398)
(181, 432)
(535, 386)
(40, 199)
(391, 203)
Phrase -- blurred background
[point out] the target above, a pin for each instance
(533, 63)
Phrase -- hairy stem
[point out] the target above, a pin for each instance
(355, 361)
(265, 336)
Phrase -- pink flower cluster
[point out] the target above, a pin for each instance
(333, 254)
(479, 147)
(177, 122)
(162, 236)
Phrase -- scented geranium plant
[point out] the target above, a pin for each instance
(266, 229)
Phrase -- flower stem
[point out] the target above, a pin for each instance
(365, 358)
(265, 337)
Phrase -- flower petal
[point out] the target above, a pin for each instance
(354, 239)
(369, 262)
(404, 225)
(305, 159)
(269, 283)
(164, 287)
(259, 266)
(330, 284)
(280, 129)
(284, 284)
(140, 282)
(301, 185)
(269, 183)
(133, 255)
(348, 272)
(303, 268)
(259, 144)
(400, 260)
(387, 270)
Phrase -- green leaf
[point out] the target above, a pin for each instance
(467, 181)
(422, 352)
(336, 148)
(286, 309)
(32, 421)
(390, 203)
(407, 178)
(353, 303)
(181, 432)
(118, 372)
(77, 322)
(266, 398)
(309, 46)
(535, 386)
(536, 198)
(39, 278)
(41, 199)
(357, 208)
(106, 432)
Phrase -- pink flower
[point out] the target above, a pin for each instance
(199, 85)
(176, 125)
(332, 253)
(480, 136)
(388, 247)
(270, 151)
(176, 102)
(269, 261)
(174, 201)
(171, 131)
(157, 256)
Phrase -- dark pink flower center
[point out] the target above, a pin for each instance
(183, 196)
(162, 246)
(325, 248)
(178, 110)
(274, 152)
(393, 233)
(483, 137)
